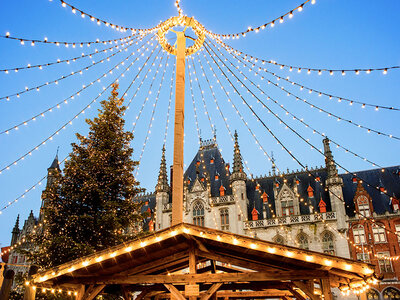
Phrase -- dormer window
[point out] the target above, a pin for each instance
(212, 160)
(287, 204)
(363, 206)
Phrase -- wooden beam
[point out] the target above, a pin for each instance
(305, 288)
(296, 293)
(202, 278)
(176, 294)
(93, 291)
(326, 289)
(81, 291)
(211, 291)
(253, 294)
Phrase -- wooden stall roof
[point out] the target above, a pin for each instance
(170, 249)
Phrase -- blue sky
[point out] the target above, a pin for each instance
(329, 34)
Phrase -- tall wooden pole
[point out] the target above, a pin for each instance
(177, 175)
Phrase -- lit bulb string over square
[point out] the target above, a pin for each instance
(295, 132)
(66, 44)
(171, 93)
(49, 138)
(56, 81)
(281, 106)
(104, 89)
(253, 61)
(64, 101)
(269, 24)
(150, 125)
(66, 60)
(111, 25)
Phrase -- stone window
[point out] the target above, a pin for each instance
(198, 214)
(359, 234)
(372, 294)
(224, 214)
(391, 293)
(328, 246)
(279, 239)
(379, 233)
(302, 241)
(287, 203)
(363, 257)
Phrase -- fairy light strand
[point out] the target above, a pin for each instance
(63, 43)
(56, 81)
(148, 133)
(269, 24)
(169, 104)
(66, 60)
(194, 104)
(67, 123)
(301, 120)
(320, 93)
(64, 101)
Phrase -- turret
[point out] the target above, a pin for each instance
(162, 194)
(238, 180)
(52, 172)
(334, 183)
(15, 232)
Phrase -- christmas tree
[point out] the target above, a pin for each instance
(91, 205)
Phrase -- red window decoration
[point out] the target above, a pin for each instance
(317, 179)
(202, 179)
(211, 160)
(265, 197)
(216, 177)
(277, 184)
(382, 189)
(310, 191)
(395, 204)
(257, 187)
(221, 191)
(297, 181)
(322, 206)
(151, 225)
(254, 214)
(198, 163)
(354, 179)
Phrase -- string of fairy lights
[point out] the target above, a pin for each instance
(61, 61)
(51, 136)
(264, 26)
(72, 73)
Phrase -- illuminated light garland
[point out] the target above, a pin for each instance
(66, 44)
(320, 93)
(70, 121)
(239, 114)
(56, 81)
(108, 24)
(169, 104)
(153, 111)
(194, 105)
(67, 60)
(301, 120)
(295, 132)
(261, 27)
(178, 7)
(65, 101)
(148, 93)
(203, 99)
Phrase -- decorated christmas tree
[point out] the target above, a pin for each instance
(91, 205)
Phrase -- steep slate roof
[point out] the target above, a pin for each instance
(267, 185)
(207, 151)
(390, 180)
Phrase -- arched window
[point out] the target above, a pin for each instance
(328, 245)
(287, 203)
(379, 233)
(372, 294)
(391, 293)
(224, 214)
(363, 206)
(302, 241)
(359, 234)
(198, 214)
(279, 239)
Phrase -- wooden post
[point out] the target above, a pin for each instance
(30, 291)
(363, 296)
(177, 180)
(81, 292)
(192, 266)
(326, 289)
(6, 286)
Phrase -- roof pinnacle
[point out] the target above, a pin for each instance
(162, 183)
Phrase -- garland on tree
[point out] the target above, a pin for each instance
(91, 205)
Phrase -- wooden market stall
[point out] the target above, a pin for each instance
(191, 262)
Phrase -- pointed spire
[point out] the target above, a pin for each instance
(273, 163)
(55, 163)
(16, 226)
(237, 173)
(329, 161)
(162, 183)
